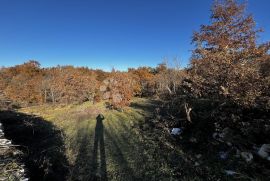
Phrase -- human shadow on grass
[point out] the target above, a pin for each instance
(87, 165)
(99, 170)
(41, 143)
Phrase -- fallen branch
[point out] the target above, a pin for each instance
(188, 110)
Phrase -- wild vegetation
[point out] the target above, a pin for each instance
(220, 103)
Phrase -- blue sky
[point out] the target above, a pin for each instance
(106, 33)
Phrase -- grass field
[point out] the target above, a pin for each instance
(71, 142)
(109, 148)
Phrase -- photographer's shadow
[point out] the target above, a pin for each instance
(99, 170)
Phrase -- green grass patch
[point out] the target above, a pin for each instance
(108, 149)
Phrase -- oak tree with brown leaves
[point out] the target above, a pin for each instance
(226, 59)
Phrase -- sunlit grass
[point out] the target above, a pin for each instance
(127, 156)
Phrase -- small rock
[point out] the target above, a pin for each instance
(264, 151)
(198, 156)
(247, 156)
(197, 164)
(5, 142)
(176, 131)
(16, 152)
(230, 172)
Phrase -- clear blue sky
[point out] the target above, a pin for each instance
(106, 33)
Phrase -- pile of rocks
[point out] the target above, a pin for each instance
(10, 167)
(109, 90)
(227, 136)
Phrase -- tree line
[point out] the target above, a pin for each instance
(29, 84)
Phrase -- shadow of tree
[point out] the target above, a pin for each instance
(40, 141)
(82, 166)
(125, 171)
(149, 106)
(143, 157)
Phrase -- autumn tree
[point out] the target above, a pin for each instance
(101, 75)
(51, 85)
(226, 58)
(265, 74)
(168, 80)
(143, 83)
(30, 84)
(67, 84)
(23, 83)
(4, 78)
